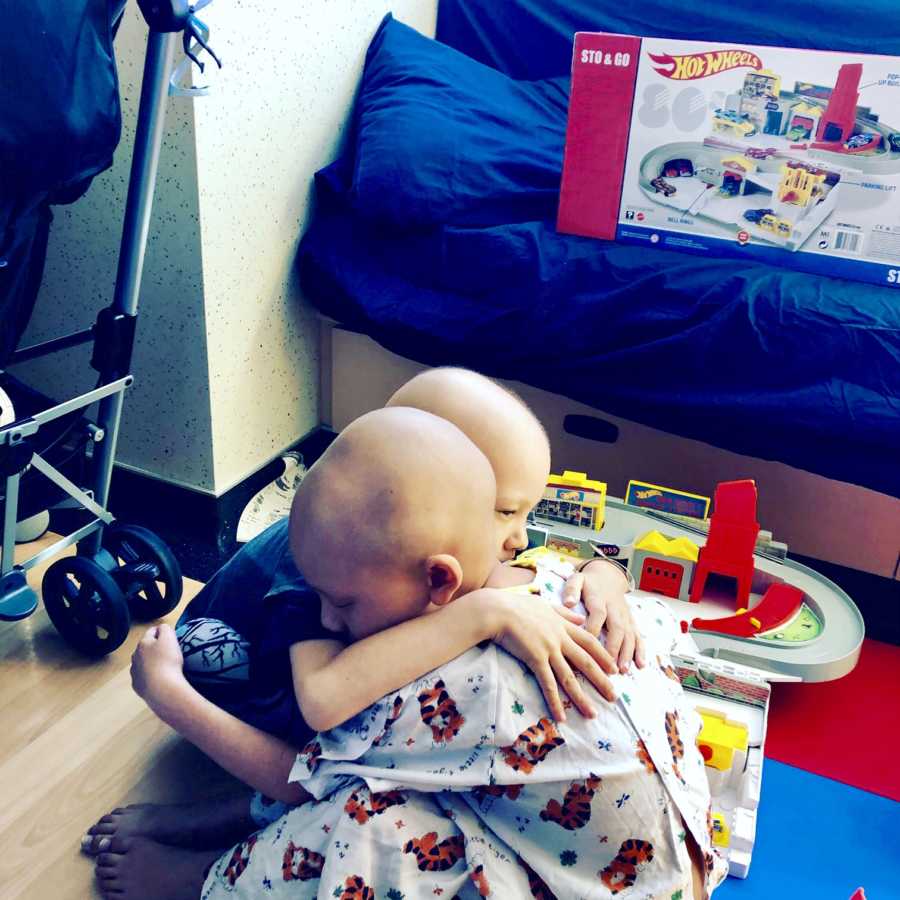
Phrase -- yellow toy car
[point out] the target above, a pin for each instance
(781, 227)
(727, 120)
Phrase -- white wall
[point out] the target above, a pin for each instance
(276, 117)
(226, 363)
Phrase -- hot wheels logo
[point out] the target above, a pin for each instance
(701, 65)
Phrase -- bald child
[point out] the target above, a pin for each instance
(515, 442)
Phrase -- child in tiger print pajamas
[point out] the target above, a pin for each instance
(459, 785)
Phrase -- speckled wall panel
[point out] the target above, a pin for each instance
(277, 114)
(166, 428)
(226, 362)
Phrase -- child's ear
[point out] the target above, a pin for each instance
(445, 577)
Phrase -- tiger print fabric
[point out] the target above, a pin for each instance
(460, 785)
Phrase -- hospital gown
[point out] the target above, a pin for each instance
(461, 785)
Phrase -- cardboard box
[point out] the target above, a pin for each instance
(785, 156)
(741, 695)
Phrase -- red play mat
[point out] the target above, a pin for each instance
(848, 729)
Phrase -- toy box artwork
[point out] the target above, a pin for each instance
(668, 500)
(787, 156)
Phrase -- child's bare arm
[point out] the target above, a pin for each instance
(334, 682)
(331, 686)
(506, 575)
(255, 757)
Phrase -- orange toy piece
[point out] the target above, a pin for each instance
(780, 604)
(732, 536)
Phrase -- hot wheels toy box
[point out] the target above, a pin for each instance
(785, 156)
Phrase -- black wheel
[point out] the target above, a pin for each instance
(86, 605)
(147, 572)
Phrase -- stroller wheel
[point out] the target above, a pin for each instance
(86, 605)
(148, 573)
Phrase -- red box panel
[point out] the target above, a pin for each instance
(597, 133)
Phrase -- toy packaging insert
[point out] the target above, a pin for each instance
(787, 156)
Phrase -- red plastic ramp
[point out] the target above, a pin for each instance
(779, 604)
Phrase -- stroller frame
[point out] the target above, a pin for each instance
(112, 336)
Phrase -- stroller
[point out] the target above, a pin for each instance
(51, 453)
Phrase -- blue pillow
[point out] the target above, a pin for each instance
(439, 137)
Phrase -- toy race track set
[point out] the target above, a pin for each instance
(768, 153)
(755, 615)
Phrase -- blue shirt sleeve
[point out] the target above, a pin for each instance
(261, 594)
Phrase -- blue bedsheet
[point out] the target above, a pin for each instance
(435, 234)
(533, 38)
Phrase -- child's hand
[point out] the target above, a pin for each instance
(601, 588)
(156, 666)
(551, 641)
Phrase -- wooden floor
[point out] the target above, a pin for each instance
(75, 742)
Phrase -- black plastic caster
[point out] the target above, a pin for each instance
(147, 573)
(86, 605)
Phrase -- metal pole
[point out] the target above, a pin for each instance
(9, 524)
(144, 162)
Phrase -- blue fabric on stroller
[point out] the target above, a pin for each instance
(56, 133)
(61, 123)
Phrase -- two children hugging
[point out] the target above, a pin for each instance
(403, 533)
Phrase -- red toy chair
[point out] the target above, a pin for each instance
(732, 536)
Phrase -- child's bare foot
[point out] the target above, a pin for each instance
(137, 868)
(211, 823)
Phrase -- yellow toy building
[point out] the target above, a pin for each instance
(663, 565)
(762, 104)
(799, 185)
(721, 833)
(677, 548)
(720, 738)
(804, 121)
(764, 83)
(574, 499)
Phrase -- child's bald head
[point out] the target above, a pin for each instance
(503, 427)
(397, 512)
(474, 403)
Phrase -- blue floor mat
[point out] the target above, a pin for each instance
(819, 839)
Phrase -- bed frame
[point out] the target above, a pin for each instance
(817, 517)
